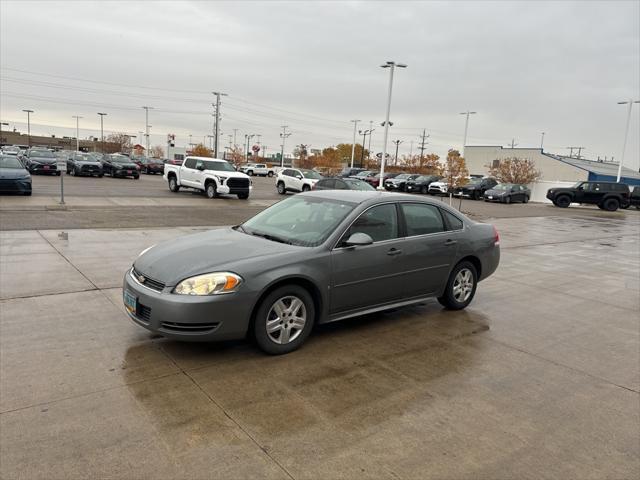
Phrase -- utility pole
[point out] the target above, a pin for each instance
(247, 138)
(466, 129)
(513, 143)
(29, 112)
(629, 102)
(391, 66)
(397, 142)
(284, 136)
(423, 143)
(542, 141)
(217, 122)
(411, 149)
(364, 134)
(580, 151)
(77, 132)
(235, 144)
(353, 145)
(146, 110)
(371, 130)
(102, 130)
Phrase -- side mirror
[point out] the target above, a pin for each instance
(200, 167)
(299, 177)
(358, 239)
(580, 187)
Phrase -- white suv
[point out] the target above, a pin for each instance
(296, 180)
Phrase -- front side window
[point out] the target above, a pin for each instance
(380, 223)
(422, 219)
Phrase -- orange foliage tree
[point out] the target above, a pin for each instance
(514, 170)
(235, 156)
(426, 165)
(455, 169)
(200, 151)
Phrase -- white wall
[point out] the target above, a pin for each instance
(539, 189)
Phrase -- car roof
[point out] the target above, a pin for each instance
(211, 159)
(369, 196)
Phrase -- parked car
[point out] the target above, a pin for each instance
(209, 175)
(149, 165)
(634, 199)
(309, 259)
(296, 180)
(11, 150)
(606, 195)
(374, 180)
(173, 161)
(342, 184)
(260, 169)
(118, 165)
(350, 172)
(14, 177)
(399, 181)
(475, 188)
(421, 183)
(80, 163)
(364, 174)
(40, 160)
(438, 188)
(508, 193)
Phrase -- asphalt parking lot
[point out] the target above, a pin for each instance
(538, 378)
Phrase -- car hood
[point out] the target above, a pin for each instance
(470, 187)
(224, 173)
(44, 160)
(495, 192)
(438, 184)
(13, 173)
(220, 249)
(82, 163)
(126, 166)
(397, 180)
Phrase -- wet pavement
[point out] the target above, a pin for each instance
(538, 378)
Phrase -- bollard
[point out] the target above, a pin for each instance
(61, 188)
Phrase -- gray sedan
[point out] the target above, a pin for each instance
(313, 258)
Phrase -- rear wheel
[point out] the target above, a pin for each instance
(243, 196)
(507, 200)
(281, 189)
(526, 199)
(173, 184)
(250, 173)
(611, 204)
(270, 174)
(284, 320)
(423, 190)
(461, 287)
(563, 201)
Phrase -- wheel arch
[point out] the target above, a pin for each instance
(475, 261)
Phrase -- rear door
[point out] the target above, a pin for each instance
(369, 275)
(429, 249)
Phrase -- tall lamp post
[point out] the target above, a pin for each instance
(364, 134)
(391, 66)
(29, 112)
(77, 132)
(541, 140)
(353, 145)
(284, 134)
(397, 142)
(146, 110)
(466, 129)
(630, 103)
(102, 130)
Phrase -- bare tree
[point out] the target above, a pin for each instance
(514, 170)
(122, 141)
(156, 152)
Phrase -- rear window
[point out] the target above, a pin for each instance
(454, 222)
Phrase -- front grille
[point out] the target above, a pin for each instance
(144, 312)
(147, 282)
(238, 183)
(189, 327)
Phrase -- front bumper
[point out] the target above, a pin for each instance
(394, 186)
(190, 318)
(43, 168)
(437, 190)
(90, 170)
(493, 198)
(15, 186)
(127, 172)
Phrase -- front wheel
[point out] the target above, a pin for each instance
(423, 190)
(563, 201)
(211, 190)
(526, 199)
(306, 188)
(250, 173)
(284, 320)
(58, 173)
(281, 189)
(611, 204)
(270, 174)
(507, 200)
(173, 184)
(461, 287)
(243, 196)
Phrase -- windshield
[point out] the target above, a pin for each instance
(218, 166)
(302, 221)
(503, 186)
(41, 154)
(120, 159)
(84, 157)
(311, 174)
(10, 162)
(577, 184)
(11, 149)
(402, 176)
(358, 184)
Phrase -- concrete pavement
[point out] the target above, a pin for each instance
(537, 378)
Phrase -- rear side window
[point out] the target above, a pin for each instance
(454, 222)
(380, 223)
(190, 163)
(328, 183)
(422, 219)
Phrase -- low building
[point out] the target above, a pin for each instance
(556, 170)
(56, 143)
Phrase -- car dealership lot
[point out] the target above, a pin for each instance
(538, 377)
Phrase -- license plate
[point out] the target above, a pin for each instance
(128, 172)
(46, 167)
(130, 302)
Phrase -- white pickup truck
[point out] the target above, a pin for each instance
(210, 175)
(260, 169)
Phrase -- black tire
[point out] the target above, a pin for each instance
(281, 189)
(173, 184)
(100, 175)
(423, 190)
(136, 177)
(448, 299)
(74, 172)
(507, 200)
(526, 199)
(211, 190)
(58, 173)
(270, 174)
(475, 195)
(306, 188)
(243, 196)
(27, 194)
(562, 201)
(265, 313)
(250, 173)
(611, 204)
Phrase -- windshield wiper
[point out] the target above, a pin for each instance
(273, 238)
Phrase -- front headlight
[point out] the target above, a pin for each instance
(209, 284)
(221, 178)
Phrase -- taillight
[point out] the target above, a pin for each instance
(496, 236)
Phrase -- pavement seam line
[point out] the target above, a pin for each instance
(48, 294)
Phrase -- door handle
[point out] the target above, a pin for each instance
(450, 243)
(394, 251)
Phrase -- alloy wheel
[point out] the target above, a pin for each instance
(463, 285)
(286, 320)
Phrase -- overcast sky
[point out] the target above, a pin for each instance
(525, 67)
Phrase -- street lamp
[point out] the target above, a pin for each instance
(364, 134)
(102, 129)
(391, 66)
(29, 112)
(353, 145)
(629, 102)
(77, 132)
(146, 110)
(397, 142)
(466, 129)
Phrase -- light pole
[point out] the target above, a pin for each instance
(391, 66)
(397, 142)
(466, 129)
(630, 103)
(364, 134)
(146, 111)
(248, 138)
(284, 136)
(102, 129)
(370, 135)
(541, 140)
(29, 112)
(217, 127)
(77, 132)
(353, 145)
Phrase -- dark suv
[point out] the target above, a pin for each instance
(475, 188)
(606, 195)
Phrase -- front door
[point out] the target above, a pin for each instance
(369, 275)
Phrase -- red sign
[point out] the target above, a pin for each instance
(256, 148)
